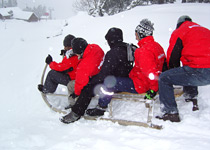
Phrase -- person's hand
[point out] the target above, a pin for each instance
(68, 70)
(150, 94)
(63, 52)
(48, 59)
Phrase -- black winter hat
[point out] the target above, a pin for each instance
(182, 19)
(114, 34)
(79, 45)
(67, 40)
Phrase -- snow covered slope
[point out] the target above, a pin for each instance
(27, 123)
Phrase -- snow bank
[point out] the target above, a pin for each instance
(27, 123)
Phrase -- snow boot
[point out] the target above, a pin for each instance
(170, 117)
(98, 111)
(195, 103)
(71, 117)
(42, 89)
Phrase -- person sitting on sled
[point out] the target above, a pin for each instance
(190, 44)
(63, 72)
(90, 59)
(143, 78)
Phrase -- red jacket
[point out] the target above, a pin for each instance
(193, 46)
(66, 64)
(149, 59)
(89, 65)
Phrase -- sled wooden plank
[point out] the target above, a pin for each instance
(125, 122)
(55, 94)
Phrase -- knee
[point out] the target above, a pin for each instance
(51, 72)
(164, 77)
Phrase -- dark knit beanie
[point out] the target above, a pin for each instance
(79, 45)
(67, 40)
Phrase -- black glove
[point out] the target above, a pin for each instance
(63, 52)
(68, 70)
(48, 59)
(73, 95)
(150, 94)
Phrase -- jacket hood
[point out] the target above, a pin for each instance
(113, 36)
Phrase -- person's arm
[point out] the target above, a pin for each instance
(174, 60)
(174, 50)
(65, 65)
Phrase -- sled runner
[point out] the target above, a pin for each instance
(46, 97)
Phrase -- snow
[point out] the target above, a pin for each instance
(27, 123)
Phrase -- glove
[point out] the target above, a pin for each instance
(48, 59)
(150, 94)
(73, 95)
(63, 52)
(68, 70)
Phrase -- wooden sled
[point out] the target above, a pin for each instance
(137, 98)
(123, 96)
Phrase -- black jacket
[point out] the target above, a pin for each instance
(115, 63)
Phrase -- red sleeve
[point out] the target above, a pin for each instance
(65, 64)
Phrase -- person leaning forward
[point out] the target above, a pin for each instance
(189, 43)
(62, 72)
(90, 59)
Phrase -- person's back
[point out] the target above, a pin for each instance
(194, 44)
(149, 59)
(89, 65)
(189, 43)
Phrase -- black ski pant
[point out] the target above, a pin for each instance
(53, 79)
(84, 100)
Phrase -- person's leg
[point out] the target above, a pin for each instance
(71, 100)
(190, 95)
(53, 79)
(80, 106)
(121, 85)
(184, 76)
(83, 100)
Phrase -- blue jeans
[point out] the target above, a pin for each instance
(183, 76)
(122, 84)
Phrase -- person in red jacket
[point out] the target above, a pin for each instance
(63, 72)
(90, 61)
(149, 60)
(189, 43)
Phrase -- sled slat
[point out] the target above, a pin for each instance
(125, 122)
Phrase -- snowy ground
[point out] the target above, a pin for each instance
(27, 123)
